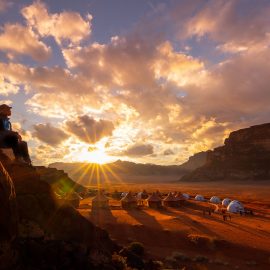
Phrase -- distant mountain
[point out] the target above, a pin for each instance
(124, 167)
(245, 155)
(85, 173)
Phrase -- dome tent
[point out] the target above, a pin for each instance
(235, 207)
(226, 202)
(129, 201)
(170, 201)
(215, 200)
(154, 201)
(186, 196)
(100, 200)
(199, 197)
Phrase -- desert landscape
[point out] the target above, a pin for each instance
(134, 135)
(239, 243)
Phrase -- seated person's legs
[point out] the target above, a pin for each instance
(10, 139)
(24, 151)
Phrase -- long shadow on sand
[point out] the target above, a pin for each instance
(186, 220)
(102, 216)
(144, 218)
(218, 218)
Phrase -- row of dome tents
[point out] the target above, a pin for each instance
(231, 206)
(155, 200)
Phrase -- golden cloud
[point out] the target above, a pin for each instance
(17, 39)
(65, 26)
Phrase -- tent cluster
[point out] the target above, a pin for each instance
(154, 200)
(231, 206)
(157, 200)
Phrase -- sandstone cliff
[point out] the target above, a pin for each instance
(245, 155)
(195, 161)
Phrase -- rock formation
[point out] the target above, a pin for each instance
(59, 180)
(245, 155)
(31, 223)
(195, 161)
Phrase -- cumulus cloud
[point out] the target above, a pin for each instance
(237, 28)
(49, 134)
(141, 80)
(64, 26)
(144, 76)
(88, 129)
(237, 89)
(17, 39)
(139, 150)
(46, 79)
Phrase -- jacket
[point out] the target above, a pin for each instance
(5, 124)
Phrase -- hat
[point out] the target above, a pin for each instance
(4, 106)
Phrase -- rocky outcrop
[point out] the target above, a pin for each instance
(245, 155)
(59, 180)
(8, 205)
(39, 222)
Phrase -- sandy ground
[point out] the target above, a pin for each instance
(242, 243)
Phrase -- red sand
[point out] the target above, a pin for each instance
(246, 245)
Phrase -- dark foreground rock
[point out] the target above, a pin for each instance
(244, 156)
(35, 233)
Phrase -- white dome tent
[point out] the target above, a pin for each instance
(185, 196)
(215, 200)
(226, 202)
(199, 198)
(235, 207)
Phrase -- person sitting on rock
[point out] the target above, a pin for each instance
(10, 138)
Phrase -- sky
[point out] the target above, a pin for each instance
(145, 81)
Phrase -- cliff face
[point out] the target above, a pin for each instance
(195, 161)
(245, 155)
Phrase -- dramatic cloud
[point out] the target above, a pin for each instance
(44, 79)
(65, 26)
(88, 129)
(49, 134)
(166, 85)
(17, 39)
(139, 150)
(236, 27)
(145, 76)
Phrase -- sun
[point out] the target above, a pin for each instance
(97, 156)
